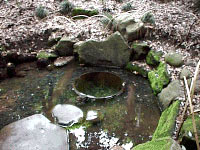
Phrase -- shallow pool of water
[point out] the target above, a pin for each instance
(129, 119)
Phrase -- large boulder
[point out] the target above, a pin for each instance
(129, 26)
(170, 93)
(33, 133)
(114, 51)
(65, 47)
(174, 59)
(67, 114)
(167, 121)
(159, 78)
(166, 143)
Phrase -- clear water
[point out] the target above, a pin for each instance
(129, 119)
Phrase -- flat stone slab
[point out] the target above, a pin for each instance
(61, 61)
(33, 133)
(67, 114)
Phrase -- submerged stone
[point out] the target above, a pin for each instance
(140, 50)
(67, 114)
(159, 78)
(112, 52)
(170, 93)
(153, 58)
(166, 143)
(33, 133)
(174, 59)
(167, 122)
(134, 67)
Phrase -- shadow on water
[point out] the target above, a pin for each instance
(128, 119)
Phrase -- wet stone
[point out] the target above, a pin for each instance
(33, 133)
(67, 114)
(61, 61)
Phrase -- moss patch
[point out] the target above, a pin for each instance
(159, 78)
(140, 70)
(153, 58)
(46, 55)
(159, 144)
(166, 123)
(187, 128)
(80, 11)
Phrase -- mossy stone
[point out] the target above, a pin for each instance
(185, 72)
(167, 120)
(153, 58)
(140, 50)
(159, 78)
(134, 67)
(174, 59)
(187, 130)
(80, 11)
(165, 143)
(46, 55)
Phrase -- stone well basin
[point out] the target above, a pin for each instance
(98, 85)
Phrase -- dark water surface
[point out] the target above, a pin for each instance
(129, 119)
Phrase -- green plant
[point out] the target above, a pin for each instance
(66, 7)
(127, 7)
(41, 12)
(119, 1)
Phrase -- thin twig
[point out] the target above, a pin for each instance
(192, 111)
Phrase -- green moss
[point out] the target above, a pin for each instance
(153, 58)
(2, 48)
(159, 144)
(159, 78)
(187, 128)
(166, 123)
(78, 125)
(46, 55)
(133, 67)
(80, 11)
(140, 50)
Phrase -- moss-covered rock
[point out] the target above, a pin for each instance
(174, 59)
(80, 11)
(46, 55)
(187, 130)
(153, 58)
(166, 123)
(140, 50)
(166, 143)
(134, 67)
(159, 78)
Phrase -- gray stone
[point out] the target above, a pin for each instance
(174, 59)
(114, 51)
(197, 86)
(170, 93)
(67, 114)
(129, 26)
(65, 47)
(33, 133)
(140, 50)
(185, 72)
(61, 61)
(148, 18)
